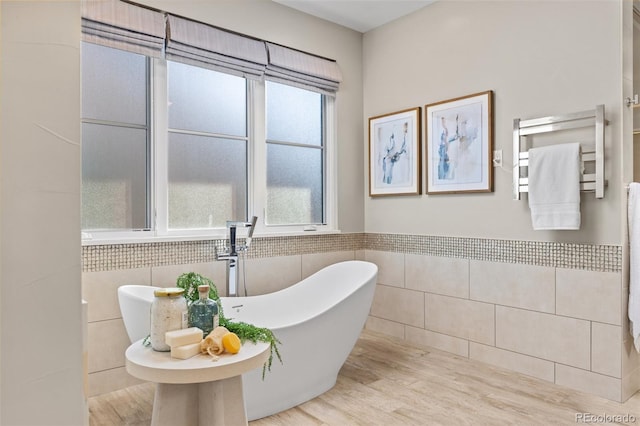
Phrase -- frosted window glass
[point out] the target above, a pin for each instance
(293, 114)
(207, 181)
(294, 185)
(206, 101)
(114, 85)
(114, 177)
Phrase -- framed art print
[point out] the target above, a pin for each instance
(460, 144)
(394, 153)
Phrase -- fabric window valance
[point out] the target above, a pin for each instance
(123, 26)
(210, 47)
(126, 26)
(302, 69)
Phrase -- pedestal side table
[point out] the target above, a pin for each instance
(198, 390)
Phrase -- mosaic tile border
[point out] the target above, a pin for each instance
(607, 258)
(129, 256)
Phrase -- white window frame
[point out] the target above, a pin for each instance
(329, 184)
(256, 172)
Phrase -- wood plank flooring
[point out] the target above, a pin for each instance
(385, 382)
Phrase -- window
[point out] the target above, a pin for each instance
(295, 156)
(115, 139)
(208, 143)
(176, 149)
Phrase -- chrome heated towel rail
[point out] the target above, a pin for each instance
(590, 182)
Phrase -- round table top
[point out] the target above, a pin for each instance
(153, 366)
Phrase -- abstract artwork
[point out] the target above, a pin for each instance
(394, 153)
(460, 144)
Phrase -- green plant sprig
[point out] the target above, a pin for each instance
(254, 334)
(190, 282)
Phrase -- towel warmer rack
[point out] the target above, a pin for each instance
(591, 182)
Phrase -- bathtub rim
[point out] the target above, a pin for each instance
(274, 295)
(371, 275)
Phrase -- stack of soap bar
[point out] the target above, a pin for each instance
(186, 336)
(185, 351)
(184, 343)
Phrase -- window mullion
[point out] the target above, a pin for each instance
(161, 146)
(299, 145)
(258, 165)
(331, 161)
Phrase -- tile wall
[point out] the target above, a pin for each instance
(554, 311)
(270, 265)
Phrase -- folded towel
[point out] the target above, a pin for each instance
(554, 186)
(633, 217)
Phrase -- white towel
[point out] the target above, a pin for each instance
(554, 186)
(633, 217)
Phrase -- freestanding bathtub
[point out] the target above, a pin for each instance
(317, 321)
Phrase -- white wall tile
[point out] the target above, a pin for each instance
(166, 276)
(266, 275)
(399, 305)
(390, 267)
(108, 341)
(434, 274)
(546, 336)
(606, 349)
(589, 295)
(110, 380)
(630, 384)
(529, 342)
(521, 286)
(586, 381)
(524, 364)
(100, 290)
(390, 328)
(443, 342)
(461, 318)
(312, 263)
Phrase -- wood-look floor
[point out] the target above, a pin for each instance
(387, 383)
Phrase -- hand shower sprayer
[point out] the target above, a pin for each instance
(230, 255)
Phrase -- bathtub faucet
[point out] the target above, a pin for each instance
(230, 255)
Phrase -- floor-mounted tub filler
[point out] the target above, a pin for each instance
(317, 321)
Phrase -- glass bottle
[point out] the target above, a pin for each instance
(168, 313)
(203, 313)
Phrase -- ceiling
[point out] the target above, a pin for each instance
(359, 15)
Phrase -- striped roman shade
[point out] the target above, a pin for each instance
(138, 29)
(123, 26)
(210, 47)
(302, 69)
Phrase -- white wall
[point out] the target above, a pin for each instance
(635, 81)
(41, 352)
(270, 21)
(539, 58)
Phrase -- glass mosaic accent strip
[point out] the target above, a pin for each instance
(127, 256)
(607, 258)
(287, 246)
